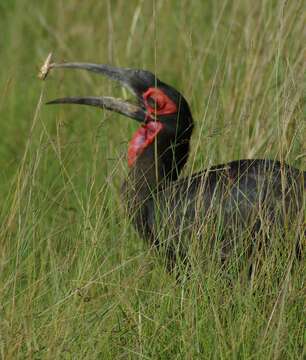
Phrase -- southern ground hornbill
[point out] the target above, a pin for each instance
(235, 203)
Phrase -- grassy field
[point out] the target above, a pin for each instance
(76, 282)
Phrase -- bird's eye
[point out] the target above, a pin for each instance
(153, 103)
(158, 103)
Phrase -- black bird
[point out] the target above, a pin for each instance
(236, 200)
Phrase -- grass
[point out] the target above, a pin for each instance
(76, 281)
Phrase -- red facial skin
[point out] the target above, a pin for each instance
(141, 139)
(157, 103)
(163, 104)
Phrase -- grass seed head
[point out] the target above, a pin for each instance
(44, 70)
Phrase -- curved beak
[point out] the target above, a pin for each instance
(132, 79)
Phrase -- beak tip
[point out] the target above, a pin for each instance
(51, 102)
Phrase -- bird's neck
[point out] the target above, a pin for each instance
(157, 166)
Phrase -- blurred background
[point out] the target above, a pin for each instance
(75, 278)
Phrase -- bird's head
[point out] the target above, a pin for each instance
(163, 112)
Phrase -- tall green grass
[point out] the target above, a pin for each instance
(76, 282)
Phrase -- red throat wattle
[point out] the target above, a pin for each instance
(141, 139)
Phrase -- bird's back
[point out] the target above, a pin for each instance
(239, 197)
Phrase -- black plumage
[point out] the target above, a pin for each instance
(238, 199)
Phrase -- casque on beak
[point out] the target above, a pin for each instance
(134, 80)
